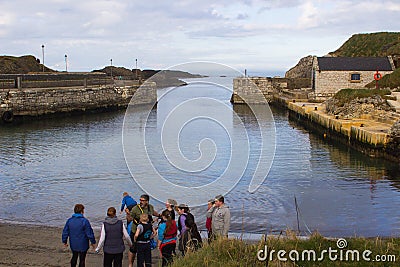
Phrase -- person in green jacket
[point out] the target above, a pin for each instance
(143, 207)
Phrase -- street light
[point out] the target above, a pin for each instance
(66, 63)
(43, 56)
(136, 70)
(111, 69)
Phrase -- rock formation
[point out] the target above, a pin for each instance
(374, 105)
(302, 69)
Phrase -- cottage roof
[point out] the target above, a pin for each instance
(354, 63)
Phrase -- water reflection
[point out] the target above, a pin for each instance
(47, 166)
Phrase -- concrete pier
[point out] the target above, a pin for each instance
(367, 134)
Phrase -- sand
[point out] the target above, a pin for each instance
(28, 245)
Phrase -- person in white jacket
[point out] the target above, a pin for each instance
(111, 240)
(220, 217)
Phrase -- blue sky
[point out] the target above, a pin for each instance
(265, 37)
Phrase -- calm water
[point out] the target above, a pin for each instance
(47, 166)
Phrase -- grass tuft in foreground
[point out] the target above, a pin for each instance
(235, 252)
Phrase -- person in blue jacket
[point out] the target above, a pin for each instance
(80, 232)
(128, 201)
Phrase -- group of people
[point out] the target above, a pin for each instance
(141, 230)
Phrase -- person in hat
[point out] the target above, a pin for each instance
(170, 206)
(185, 222)
(220, 217)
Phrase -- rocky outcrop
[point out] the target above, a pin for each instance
(21, 65)
(302, 69)
(374, 105)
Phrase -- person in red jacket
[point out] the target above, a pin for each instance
(208, 220)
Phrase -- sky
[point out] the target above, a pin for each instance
(266, 37)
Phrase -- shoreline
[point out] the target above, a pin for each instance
(39, 245)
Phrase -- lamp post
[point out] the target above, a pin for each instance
(43, 56)
(136, 76)
(111, 69)
(66, 63)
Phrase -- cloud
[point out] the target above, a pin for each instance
(162, 32)
(309, 16)
(242, 16)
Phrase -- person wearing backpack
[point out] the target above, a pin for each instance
(142, 208)
(188, 233)
(144, 232)
(112, 234)
(167, 232)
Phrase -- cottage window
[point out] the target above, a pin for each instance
(355, 77)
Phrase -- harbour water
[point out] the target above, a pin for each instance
(47, 166)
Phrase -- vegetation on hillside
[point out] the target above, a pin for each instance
(21, 65)
(117, 71)
(388, 81)
(377, 44)
(234, 252)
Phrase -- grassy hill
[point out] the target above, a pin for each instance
(21, 65)
(377, 44)
(388, 81)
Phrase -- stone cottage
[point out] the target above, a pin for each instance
(330, 74)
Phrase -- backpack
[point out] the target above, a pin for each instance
(190, 240)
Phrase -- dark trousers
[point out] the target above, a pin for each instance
(109, 259)
(143, 255)
(210, 236)
(82, 258)
(168, 251)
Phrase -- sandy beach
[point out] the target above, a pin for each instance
(28, 245)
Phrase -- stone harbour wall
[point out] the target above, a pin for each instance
(42, 101)
(250, 89)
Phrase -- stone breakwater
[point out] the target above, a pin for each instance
(31, 102)
(372, 137)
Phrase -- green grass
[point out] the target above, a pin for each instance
(388, 81)
(234, 252)
(346, 95)
(370, 45)
(23, 64)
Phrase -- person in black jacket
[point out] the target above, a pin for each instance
(189, 238)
